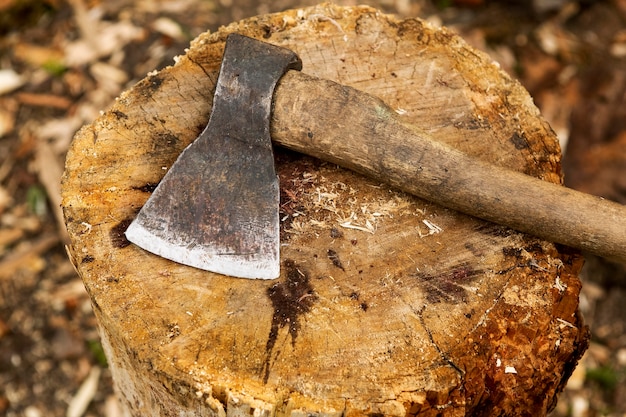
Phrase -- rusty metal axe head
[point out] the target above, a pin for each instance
(217, 207)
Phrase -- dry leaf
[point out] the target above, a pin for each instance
(44, 100)
(5, 199)
(9, 81)
(8, 110)
(168, 27)
(111, 37)
(79, 403)
(9, 236)
(37, 55)
(50, 170)
(60, 130)
(109, 78)
(27, 256)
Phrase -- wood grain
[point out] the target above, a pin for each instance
(386, 304)
(413, 161)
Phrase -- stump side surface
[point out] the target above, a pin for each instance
(386, 304)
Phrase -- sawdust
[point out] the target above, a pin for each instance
(41, 336)
(331, 204)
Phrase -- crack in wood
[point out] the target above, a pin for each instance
(444, 356)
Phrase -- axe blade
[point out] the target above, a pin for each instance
(217, 208)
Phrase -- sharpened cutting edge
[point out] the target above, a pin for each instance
(217, 208)
(261, 265)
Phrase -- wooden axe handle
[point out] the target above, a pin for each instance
(355, 130)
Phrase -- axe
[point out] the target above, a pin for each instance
(217, 208)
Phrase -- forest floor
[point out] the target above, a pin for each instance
(62, 62)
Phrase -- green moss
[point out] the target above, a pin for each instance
(54, 67)
(604, 376)
(95, 347)
(443, 4)
(36, 200)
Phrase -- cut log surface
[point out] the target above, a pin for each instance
(386, 304)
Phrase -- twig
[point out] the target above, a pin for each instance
(79, 403)
(88, 26)
(19, 258)
(49, 171)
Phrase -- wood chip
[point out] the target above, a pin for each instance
(111, 38)
(50, 171)
(9, 81)
(8, 111)
(26, 256)
(168, 27)
(37, 55)
(5, 198)
(9, 236)
(79, 403)
(44, 100)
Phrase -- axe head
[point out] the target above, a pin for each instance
(217, 208)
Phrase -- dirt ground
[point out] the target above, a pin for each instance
(62, 62)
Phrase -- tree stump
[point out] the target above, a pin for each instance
(386, 304)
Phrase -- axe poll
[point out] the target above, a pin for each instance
(217, 206)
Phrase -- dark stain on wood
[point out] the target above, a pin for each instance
(476, 251)
(117, 236)
(512, 252)
(336, 233)
(469, 124)
(534, 247)
(119, 114)
(448, 287)
(519, 141)
(147, 188)
(290, 298)
(290, 167)
(362, 304)
(163, 142)
(494, 230)
(334, 257)
(87, 259)
(149, 85)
